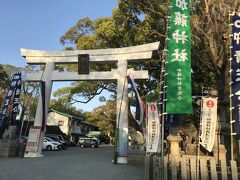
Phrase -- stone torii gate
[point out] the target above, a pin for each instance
(119, 55)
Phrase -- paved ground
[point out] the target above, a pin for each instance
(71, 164)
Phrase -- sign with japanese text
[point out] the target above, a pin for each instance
(209, 121)
(33, 139)
(179, 91)
(15, 81)
(16, 100)
(153, 129)
(171, 124)
(236, 71)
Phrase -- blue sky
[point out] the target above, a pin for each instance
(39, 24)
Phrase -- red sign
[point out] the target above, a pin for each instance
(210, 104)
(153, 107)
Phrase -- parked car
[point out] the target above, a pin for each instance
(89, 143)
(58, 138)
(82, 139)
(49, 144)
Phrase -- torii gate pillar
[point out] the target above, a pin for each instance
(122, 113)
(50, 66)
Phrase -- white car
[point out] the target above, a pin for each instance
(50, 144)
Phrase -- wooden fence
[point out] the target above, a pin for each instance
(194, 169)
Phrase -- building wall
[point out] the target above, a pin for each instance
(69, 126)
(55, 119)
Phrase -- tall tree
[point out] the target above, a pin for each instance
(61, 106)
(210, 34)
(4, 78)
(137, 22)
(132, 23)
(104, 117)
(4, 84)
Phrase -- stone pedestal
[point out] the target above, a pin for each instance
(10, 132)
(191, 149)
(136, 155)
(8, 148)
(174, 146)
(220, 152)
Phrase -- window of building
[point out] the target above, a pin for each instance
(60, 123)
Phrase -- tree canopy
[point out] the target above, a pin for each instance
(132, 23)
(59, 105)
(4, 79)
(104, 117)
(136, 22)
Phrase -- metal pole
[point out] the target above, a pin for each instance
(163, 97)
(20, 134)
(163, 119)
(199, 139)
(230, 86)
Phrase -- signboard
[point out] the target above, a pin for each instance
(33, 139)
(236, 71)
(209, 121)
(15, 80)
(83, 64)
(16, 99)
(153, 129)
(179, 92)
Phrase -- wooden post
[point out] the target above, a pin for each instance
(193, 169)
(234, 170)
(174, 168)
(183, 169)
(148, 166)
(156, 167)
(203, 169)
(224, 169)
(213, 170)
(165, 168)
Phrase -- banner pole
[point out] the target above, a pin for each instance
(162, 104)
(230, 86)
(161, 112)
(199, 138)
(163, 99)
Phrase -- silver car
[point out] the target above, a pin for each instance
(49, 144)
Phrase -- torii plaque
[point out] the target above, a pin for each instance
(119, 55)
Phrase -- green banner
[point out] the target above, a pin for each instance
(179, 91)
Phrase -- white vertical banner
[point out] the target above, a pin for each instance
(209, 121)
(153, 129)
